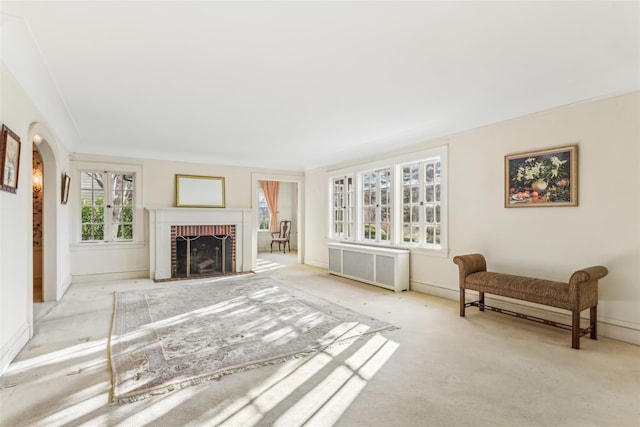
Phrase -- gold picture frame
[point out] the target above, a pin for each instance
(10, 160)
(197, 191)
(542, 178)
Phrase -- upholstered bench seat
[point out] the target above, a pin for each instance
(576, 295)
(547, 292)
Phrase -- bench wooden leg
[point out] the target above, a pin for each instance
(461, 302)
(481, 300)
(593, 320)
(575, 329)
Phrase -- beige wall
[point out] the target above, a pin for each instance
(316, 218)
(16, 231)
(545, 242)
(157, 184)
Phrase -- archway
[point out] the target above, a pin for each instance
(50, 192)
(37, 203)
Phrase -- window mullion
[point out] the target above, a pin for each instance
(378, 220)
(348, 214)
(422, 183)
(108, 209)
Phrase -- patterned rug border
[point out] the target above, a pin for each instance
(307, 298)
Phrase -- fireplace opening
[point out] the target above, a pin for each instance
(203, 255)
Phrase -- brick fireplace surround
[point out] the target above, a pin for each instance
(200, 220)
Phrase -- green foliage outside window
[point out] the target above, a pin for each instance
(93, 220)
(123, 217)
(370, 232)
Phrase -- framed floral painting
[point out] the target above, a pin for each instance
(542, 178)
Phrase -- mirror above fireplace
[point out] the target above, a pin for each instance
(196, 191)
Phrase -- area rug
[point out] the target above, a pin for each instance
(164, 339)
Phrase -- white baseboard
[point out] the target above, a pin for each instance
(11, 349)
(618, 332)
(125, 275)
(315, 263)
(437, 291)
(606, 327)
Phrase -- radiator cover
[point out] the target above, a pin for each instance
(380, 266)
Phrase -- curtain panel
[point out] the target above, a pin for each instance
(271, 190)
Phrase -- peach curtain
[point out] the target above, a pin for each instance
(271, 189)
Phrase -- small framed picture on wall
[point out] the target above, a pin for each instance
(10, 160)
(66, 183)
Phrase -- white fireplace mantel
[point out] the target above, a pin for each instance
(161, 220)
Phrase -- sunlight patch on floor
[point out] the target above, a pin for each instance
(161, 406)
(326, 402)
(340, 401)
(88, 400)
(68, 353)
(250, 409)
(263, 266)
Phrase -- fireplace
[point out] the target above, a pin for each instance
(205, 224)
(202, 250)
(202, 256)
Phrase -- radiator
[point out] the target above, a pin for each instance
(380, 266)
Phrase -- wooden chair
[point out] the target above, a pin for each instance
(282, 237)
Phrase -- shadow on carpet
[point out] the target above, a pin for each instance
(165, 339)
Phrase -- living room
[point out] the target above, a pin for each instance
(551, 242)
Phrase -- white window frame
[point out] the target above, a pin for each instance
(261, 192)
(76, 204)
(377, 223)
(342, 207)
(421, 203)
(396, 164)
(108, 191)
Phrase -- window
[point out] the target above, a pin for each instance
(399, 201)
(421, 202)
(263, 211)
(107, 204)
(342, 208)
(376, 205)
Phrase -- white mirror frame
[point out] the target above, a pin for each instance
(196, 191)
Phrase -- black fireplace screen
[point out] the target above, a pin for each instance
(203, 255)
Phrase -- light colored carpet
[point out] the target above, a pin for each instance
(481, 370)
(165, 339)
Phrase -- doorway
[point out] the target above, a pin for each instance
(47, 259)
(38, 222)
(289, 208)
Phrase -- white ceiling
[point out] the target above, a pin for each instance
(299, 85)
